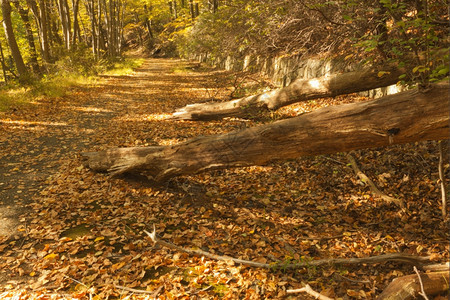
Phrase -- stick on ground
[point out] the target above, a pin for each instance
(307, 289)
(398, 257)
(363, 177)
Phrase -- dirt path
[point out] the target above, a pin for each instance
(64, 229)
(35, 141)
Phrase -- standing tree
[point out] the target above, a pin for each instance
(11, 38)
(23, 13)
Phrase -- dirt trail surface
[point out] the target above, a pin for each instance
(65, 231)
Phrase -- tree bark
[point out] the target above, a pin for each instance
(401, 118)
(11, 39)
(23, 13)
(297, 91)
(76, 26)
(408, 287)
(40, 16)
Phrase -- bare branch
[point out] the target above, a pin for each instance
(398, 257)
(422, 292)
(307, 289)
(372, 186)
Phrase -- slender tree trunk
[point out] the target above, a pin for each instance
(297, 91)
(2, 57)
(76, 26)
(101, 38)
(29, 35)
(215, 5)
(401, 118)
(191, 8)
(53, 24)
(11, 39)
(40, 15)
(64, 15)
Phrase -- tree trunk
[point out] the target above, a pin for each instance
(405, 117)
(40, 16)
(64, 15)
(408, 287)
(29, 36)
(76, 26)
(11, 39)
(2, 61)
(297, 91)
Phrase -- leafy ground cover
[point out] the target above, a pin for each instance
(69, 233)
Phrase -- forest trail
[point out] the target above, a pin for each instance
(61, 224)
(38, 139)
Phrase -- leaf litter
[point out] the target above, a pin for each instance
(80, 235)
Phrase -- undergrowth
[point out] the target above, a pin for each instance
(61, 79)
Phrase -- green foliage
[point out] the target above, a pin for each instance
(122, 66)
(232, 30)
(410, 37)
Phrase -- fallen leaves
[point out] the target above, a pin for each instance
(83, 233)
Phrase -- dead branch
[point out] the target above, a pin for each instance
(136, 291)
(442, 180)
(325, 238)
(422, 291)
(363, 177)
(307, 289)
(437, 267)
(398, 257)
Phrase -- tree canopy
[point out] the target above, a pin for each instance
(412, 33)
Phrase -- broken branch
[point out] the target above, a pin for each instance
(363, 177)
(307, 289)
(398, 257)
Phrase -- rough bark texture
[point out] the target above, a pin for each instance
(297, 91)
(11, 39)
(408, 287)
(401, 118)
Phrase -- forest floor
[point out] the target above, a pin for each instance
(68, 232)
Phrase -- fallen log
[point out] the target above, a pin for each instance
(297, 91)
(401, 118)
(410, 287)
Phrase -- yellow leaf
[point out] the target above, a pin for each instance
(51, 256)
(382, 73)
(353, 293)
(100, 238)
(117, 266)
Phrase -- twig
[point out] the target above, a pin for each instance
(133, 290)
(74, 280)
(325, 238)
(353, 280)
(307, 289)
(202, 290)
(372, 186)
(399, 257)
(89, 290)
(442, 179)
(422, 292)
(202, 253)
(155, 294)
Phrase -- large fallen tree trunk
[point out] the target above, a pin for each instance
(401, 118)
(410, 286)
(297, 91)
